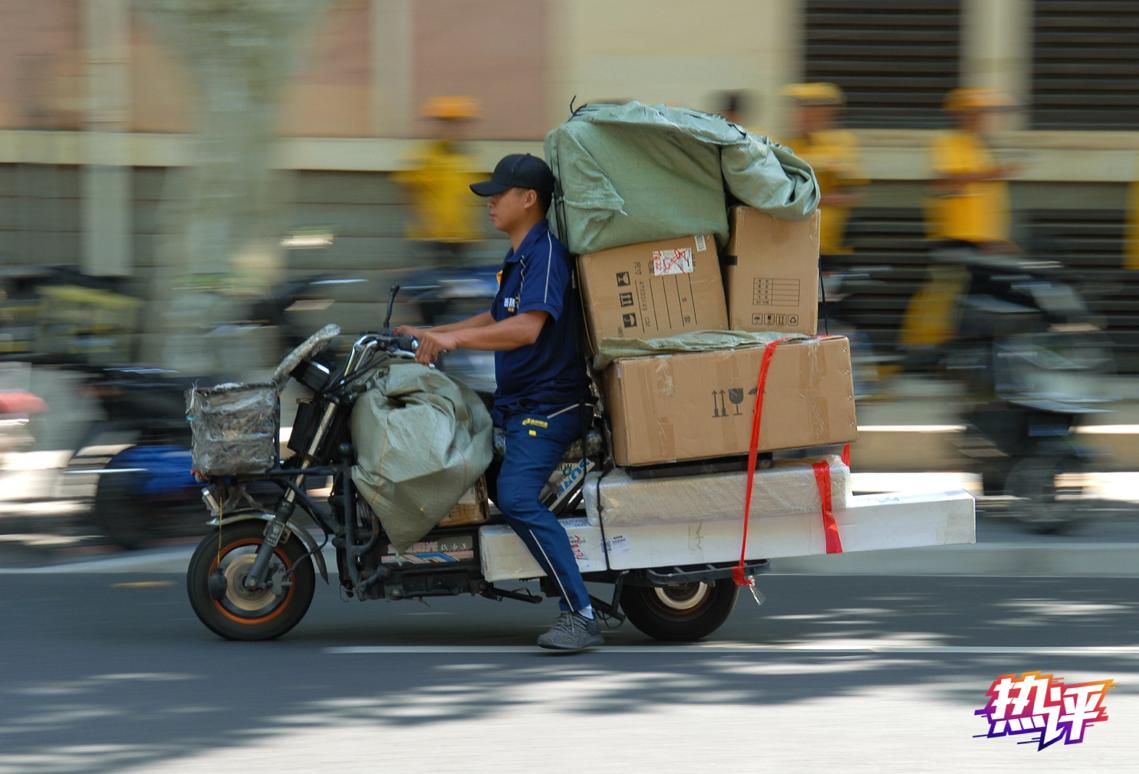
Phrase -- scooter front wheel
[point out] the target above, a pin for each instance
(682, 612)
(240, 613)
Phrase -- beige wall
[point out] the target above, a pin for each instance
(673, 52)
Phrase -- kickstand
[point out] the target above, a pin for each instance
(610, 612)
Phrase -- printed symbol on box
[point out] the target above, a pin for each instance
(792, 319)
(736, 396)
(623, 280)
(626, 299)
(719, 404)
(768, 291)
(669, 262)
(629, 320)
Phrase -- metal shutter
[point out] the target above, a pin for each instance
(1085, 64)
(895, 59)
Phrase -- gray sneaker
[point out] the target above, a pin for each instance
(572, 632)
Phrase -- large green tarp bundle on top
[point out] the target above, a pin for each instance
(422, 440)
(637, 173)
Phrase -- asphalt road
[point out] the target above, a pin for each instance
(111, 672)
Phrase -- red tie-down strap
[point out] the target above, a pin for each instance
(739, 572)
(830, 526)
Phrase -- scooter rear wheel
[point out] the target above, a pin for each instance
(682, 612)
(250, 615)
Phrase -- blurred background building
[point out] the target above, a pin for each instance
(98, 100)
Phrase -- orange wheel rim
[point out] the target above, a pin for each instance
(282, 604)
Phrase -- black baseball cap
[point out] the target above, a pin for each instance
(518, 170)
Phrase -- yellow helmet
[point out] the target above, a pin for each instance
(968, 99)
(452, 108)
(817, 93)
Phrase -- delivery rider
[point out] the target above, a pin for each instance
(968, 214)
(832, 153)
(533, 328)
(436, 177)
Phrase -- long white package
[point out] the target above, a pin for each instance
(868, 523)
(505, 557)
(787, 487)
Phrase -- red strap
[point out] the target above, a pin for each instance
(846, 455)
(738, 572)
(830, 526)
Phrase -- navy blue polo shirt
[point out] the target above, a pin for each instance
(537, 278)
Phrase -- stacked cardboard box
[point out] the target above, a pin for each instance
(699, 405)
(653, 289)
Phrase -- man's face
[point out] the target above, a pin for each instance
(508, 209)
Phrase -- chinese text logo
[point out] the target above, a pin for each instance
(1043, 708)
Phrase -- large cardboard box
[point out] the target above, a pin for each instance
(653, 289)
(696, 405)
(771, 273)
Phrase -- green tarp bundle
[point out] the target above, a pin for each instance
(422, 440)
(637, 173)
(610, 349)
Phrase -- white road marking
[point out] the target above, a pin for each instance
(746, 648)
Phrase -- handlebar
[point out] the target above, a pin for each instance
(407, 343)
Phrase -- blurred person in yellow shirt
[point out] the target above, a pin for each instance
(971, 203)
(832, 153)
(969, 211)
(438, 176)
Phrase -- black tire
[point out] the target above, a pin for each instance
(249, 616)
(1040, 506)
(680, 613)
(120, 512)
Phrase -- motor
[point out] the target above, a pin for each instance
(253, 577)
(1031, 357)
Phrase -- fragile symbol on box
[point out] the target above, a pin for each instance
(629, 320)
(774, 319)
(623, 280)
(669, 262)
(626, 299)
(721, 397)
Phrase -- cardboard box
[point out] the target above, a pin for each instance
(472, 508)
(697, 405)
(653, 289)
(868, 523)
(771, 273)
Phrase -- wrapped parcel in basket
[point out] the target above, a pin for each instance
(235, 428)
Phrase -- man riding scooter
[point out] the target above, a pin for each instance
(533, 328)
(1015, 334)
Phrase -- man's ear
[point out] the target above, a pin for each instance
(530, 198)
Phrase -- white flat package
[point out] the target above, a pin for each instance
(505, 557)
(867, 523)
(787, 487)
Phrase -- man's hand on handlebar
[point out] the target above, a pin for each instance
(432, 344)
